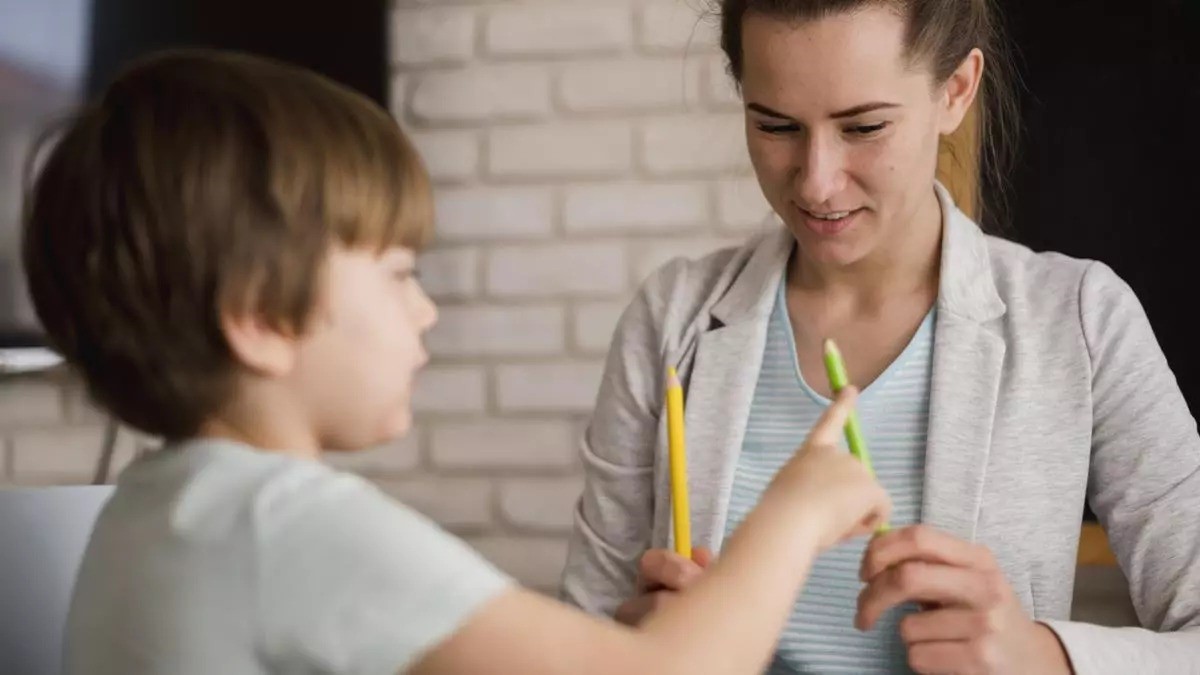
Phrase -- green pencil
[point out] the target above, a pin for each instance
(838, 379)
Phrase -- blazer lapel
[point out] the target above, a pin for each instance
(718, 408)
(966, 379)
(721, 381)
(967, 367)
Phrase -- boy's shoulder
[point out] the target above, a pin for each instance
(282, 544)
(221, 487)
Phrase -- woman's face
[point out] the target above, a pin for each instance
(842, 130)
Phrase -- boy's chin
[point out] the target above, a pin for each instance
(394, 428)
(398, 426)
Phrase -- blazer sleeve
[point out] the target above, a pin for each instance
(1144, 486)
(614, 516)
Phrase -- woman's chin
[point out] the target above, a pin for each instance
(831, 252)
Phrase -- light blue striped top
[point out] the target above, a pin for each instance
(820, 636)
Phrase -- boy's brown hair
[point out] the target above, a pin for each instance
(201, 183)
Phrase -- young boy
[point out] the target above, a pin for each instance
(223, 247)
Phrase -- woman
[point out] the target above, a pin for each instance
(1001, 388)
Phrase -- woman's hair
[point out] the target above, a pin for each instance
(201, 183)
(939, 33)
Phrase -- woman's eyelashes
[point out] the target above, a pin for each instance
(857, 130)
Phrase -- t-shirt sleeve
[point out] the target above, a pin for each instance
(354, 582)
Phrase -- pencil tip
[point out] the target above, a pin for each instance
(830, 347)
(672, 377)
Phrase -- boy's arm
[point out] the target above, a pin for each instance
(727, 623)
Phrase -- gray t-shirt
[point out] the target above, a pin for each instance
(213, 557)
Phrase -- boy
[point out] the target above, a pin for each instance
(223, 247)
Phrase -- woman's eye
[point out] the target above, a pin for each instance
(868, 129)
(778, 128)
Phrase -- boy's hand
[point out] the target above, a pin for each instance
(661, 573)
(822, 480)
(827, 482)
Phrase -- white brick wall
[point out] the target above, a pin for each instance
(741, 204)
(652, 254)
(593, 268)
(485, 330)
(477, 213)
(553, 387)
(592, 325)
(455, 503)
(693, 144)
(448, 155)
(507, 92)
(451, 389)
(451, 272)
(544, 29)
(429, 36)
(540, 503)
(635, 206)
(574, 147)
(400, 456)
(535, 561)
(629, 86)
(547, 151)
(674, 26)
(496, 443)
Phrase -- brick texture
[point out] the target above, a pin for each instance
(561, 149)
(556, 270)
(507, 92)
(548, 29)
(428, 36)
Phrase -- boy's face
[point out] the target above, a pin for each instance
(354, 368)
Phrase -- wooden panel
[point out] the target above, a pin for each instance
(1093, 547)
(958, 162)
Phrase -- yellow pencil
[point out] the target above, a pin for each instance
(678, 460)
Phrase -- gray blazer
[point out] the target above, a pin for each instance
(1048, 388)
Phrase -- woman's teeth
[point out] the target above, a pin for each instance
(838, 215)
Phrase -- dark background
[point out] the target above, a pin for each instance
(344, 40)
(1107, 164)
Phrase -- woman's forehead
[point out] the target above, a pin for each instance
(836, 62)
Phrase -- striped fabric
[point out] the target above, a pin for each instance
(820, 636)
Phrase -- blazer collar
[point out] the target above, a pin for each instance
(967, 288)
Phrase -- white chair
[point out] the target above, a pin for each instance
(43, 534)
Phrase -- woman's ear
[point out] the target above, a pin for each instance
(959, 92)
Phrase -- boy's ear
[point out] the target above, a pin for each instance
(259, 346)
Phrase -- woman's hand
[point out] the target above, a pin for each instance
(971, 622)
(661, 574)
